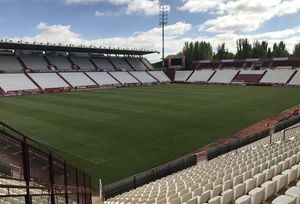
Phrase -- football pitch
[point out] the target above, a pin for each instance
(115, 133)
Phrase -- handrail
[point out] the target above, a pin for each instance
(30, 148)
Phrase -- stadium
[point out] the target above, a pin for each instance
(100, 124)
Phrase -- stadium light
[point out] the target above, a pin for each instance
(163, 21)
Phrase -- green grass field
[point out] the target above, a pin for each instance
(115, 133)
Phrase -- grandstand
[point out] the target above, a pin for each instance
(121, 64)
(249, 76)
(60, 62)
(223, 76)
(266, 170)
(103, 79)
(278, 76)
(9, 63)
(159, 76)
(201, 75)
(34, 62)
(143, 77)
(103, 64)
(182, 76)
(125, 78)
(77, 79)
(83, 63)
(257, 173)
(295, 81)
(68, 68)
(49, 81)
(13, 83)
(137, 64)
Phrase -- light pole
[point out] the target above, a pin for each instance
(163, 20)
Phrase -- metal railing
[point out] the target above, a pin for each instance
(42, 172)
(145, 177)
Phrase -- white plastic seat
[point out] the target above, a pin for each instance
(260, 178)
(193, 200)
(175, 201)
(237, 180)
(245, 199)
(204, 197)
(215, 200)
(270, 188)
(281, 181)
(197, 192)
(250, 184)
(227, 196)
(257, 195)
(284, 199)
(216, 191)
(270, 173)
(239, 190)
(294, 192)
(227, 185)
(291, 173)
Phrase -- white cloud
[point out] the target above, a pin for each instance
(151, 39)
(107, 13)
(196, 6)
(145, 7)
(239, 15)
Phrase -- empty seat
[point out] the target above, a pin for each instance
(245, 199)
(270, 188)
(284, 199)
(294, 192)
(281, 180)
(257, 195)
(239, 190)
(215, 200)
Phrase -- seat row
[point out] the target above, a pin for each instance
(228, 177)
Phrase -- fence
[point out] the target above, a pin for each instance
(31, 172)
(145, 177)
(222, 149)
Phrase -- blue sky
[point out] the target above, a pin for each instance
(134, 23)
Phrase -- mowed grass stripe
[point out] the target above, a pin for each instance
(114, 133)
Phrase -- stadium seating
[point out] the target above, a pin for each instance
(224, 76)
(232, 64)
(284, 63)
(16, 82)
(295, 81)
(201, 75)
(278, 76)
(83, 62)
(147, 63)
(124, 78)
(181, 76)
(60, 62)
(137, 64)
(77, 79)
(256, 173)
(143, 77)
(120, 64)
(104, 64)
(42, 196)
(48, 80)
(34, 62)
(248, 76)
(9, 63)
(160, 76)
(208, 65)
(103, 78)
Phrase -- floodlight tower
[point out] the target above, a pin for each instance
(163, 21)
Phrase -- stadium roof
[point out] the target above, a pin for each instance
(72, 48)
